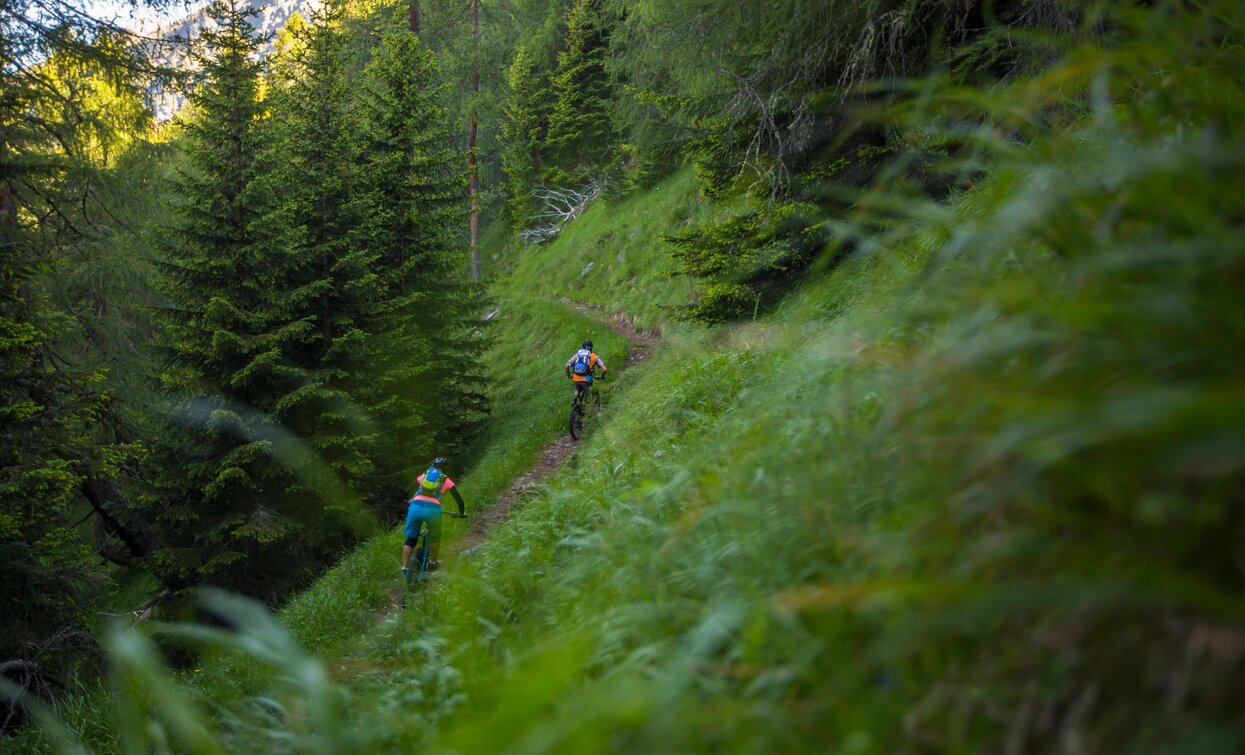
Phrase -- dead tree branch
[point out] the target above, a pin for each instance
(559, 207)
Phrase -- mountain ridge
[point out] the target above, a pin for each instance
(172, 41)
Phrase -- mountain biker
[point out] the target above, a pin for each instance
(581, 366)
(425, 506)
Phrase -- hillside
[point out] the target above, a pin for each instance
(869, 507)
(923, 433)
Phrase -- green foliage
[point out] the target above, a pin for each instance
(53, 580)
(328, 344)
(324, 287)
(476, 67)
(748, 257)
(611, 256)
(579, 141)
(975, 487)
(61, 111)
(216, 497)
(522, 133)
(427, 393)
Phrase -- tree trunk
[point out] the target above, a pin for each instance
(97, 493)
(413, 16)
(473, 167)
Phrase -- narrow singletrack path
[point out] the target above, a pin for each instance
(552, 456)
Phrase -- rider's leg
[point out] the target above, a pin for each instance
(413, 519)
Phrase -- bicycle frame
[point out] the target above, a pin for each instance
(583, 398)
(419, 553)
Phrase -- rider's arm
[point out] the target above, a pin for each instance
(601, 362)
(459, 500)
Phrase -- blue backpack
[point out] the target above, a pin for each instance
(580, 363)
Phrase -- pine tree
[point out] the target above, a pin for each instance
(522, 132)
(427, 390)
(51, 580)
(219, 493)
(580, 136)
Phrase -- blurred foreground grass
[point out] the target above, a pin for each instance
(977, 488)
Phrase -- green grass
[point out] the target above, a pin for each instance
(334, 619)
(931, 488)
(976, 489)
(613, 257)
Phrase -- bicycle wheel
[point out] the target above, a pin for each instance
(576, 419)
(596, 399)
(422, 553)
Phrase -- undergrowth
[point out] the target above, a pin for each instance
(977, 488)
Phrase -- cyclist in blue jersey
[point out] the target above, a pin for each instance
(425, 507)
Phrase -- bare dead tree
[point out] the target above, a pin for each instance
(559, 207)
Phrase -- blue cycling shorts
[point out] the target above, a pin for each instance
(423, 511)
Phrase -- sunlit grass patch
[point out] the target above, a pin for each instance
(612, 256)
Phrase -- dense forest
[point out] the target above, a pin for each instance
(965, 275)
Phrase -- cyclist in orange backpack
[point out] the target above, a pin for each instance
(581, 366)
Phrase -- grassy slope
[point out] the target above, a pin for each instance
(977, 490)
(797, 533)
(611, 256)
(533, 336)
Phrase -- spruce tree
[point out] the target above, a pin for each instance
(219, 493)
(522, 132)
(332, 280)
(580, 136)
(427, 390)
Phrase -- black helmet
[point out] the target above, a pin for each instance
(588, 345)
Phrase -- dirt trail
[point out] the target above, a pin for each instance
(551, 456)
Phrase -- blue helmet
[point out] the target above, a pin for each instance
(434, 472)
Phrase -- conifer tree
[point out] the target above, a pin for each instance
(50, 579)
(580, 136)
(338, 278)
(50, 574)
(426, 392)
(522, 132)
(220, 496)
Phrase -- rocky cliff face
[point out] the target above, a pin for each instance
(172, 38)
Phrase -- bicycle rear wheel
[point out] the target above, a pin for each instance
(576, 421)
(422, 553)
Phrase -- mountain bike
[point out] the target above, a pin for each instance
(583, 400)
(419, 554)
